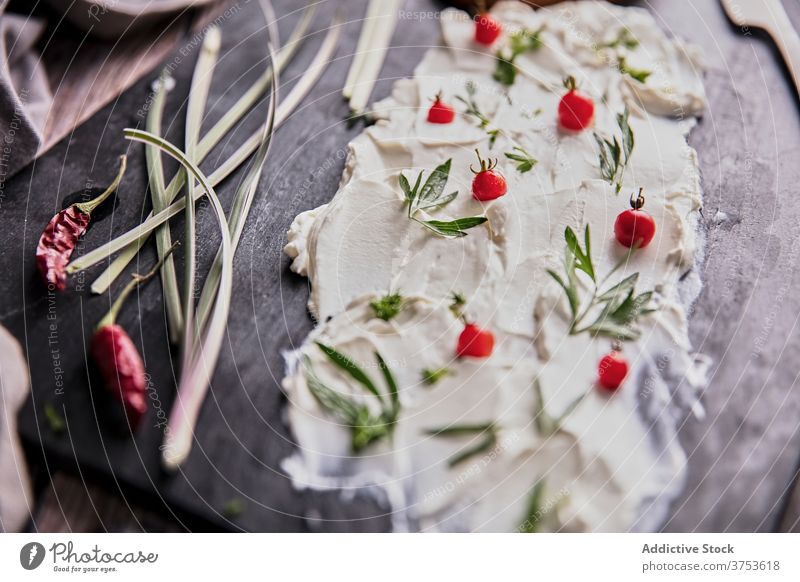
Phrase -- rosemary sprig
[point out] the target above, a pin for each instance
(366, 426)
(474, 111)
(388, 306)
(525, 161)
(616, 153)
(155, 173)
(135, 238)
(430, 196)
(620, 307)
(487, 443)
(640, 75)
(521, 41)
(131, 241)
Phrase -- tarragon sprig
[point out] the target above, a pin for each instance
(522, 41)
(535, 509)
(640, 75)
(487, 443)
(430, 196)
(525, 161)
(546, 424)
(366, 426)
(474, 111)
(624, 38)
(619, 306)
(616, 153)
(431, 377)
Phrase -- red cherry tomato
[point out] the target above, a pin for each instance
(635, 226)
(487, 29)
(575, 110)
(475, 342)
(612, 370)
(488, 183)
(441, 112)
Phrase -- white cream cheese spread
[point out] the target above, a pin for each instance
(522, 440)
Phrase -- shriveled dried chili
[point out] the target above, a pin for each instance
(117, 358)
(61, 235)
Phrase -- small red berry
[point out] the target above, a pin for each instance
(612, 370)
(441, 112)
(488, 184)
(475, 342)
(635, 227)
(487, 29)
(575, 110)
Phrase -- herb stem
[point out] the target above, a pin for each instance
(155, 174)
(88, 207)
(209, 141)
(131, 241)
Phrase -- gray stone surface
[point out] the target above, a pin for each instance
(743, 457)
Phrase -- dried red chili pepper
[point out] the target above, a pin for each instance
(117, 358)
(61, 235)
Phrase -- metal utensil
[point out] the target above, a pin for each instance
(770, 16)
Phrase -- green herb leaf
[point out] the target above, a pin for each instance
(233, 508)
(627, 134)
(618, 318)
(525, 160)
(439, 203)
(535, 510)
(486, 444)
(55, 421)
(434, 185)
(391, 383)
(387, 306)
(366, 427)
(462, 429)
(453, 228)
(621, 308)
(489, 430)
(351, 368)
(457, 303)
(583, 259)
(474, 111)
(520, 42)
(640, 75)
(616, 294)
(431, 377)
(570, 290)
(505, 71)
(624, 38)
(614, 157)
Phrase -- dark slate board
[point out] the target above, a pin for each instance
(743, 458)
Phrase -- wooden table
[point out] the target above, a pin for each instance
(743, 458)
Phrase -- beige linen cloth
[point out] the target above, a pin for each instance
(25, 96)
(16, 501)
